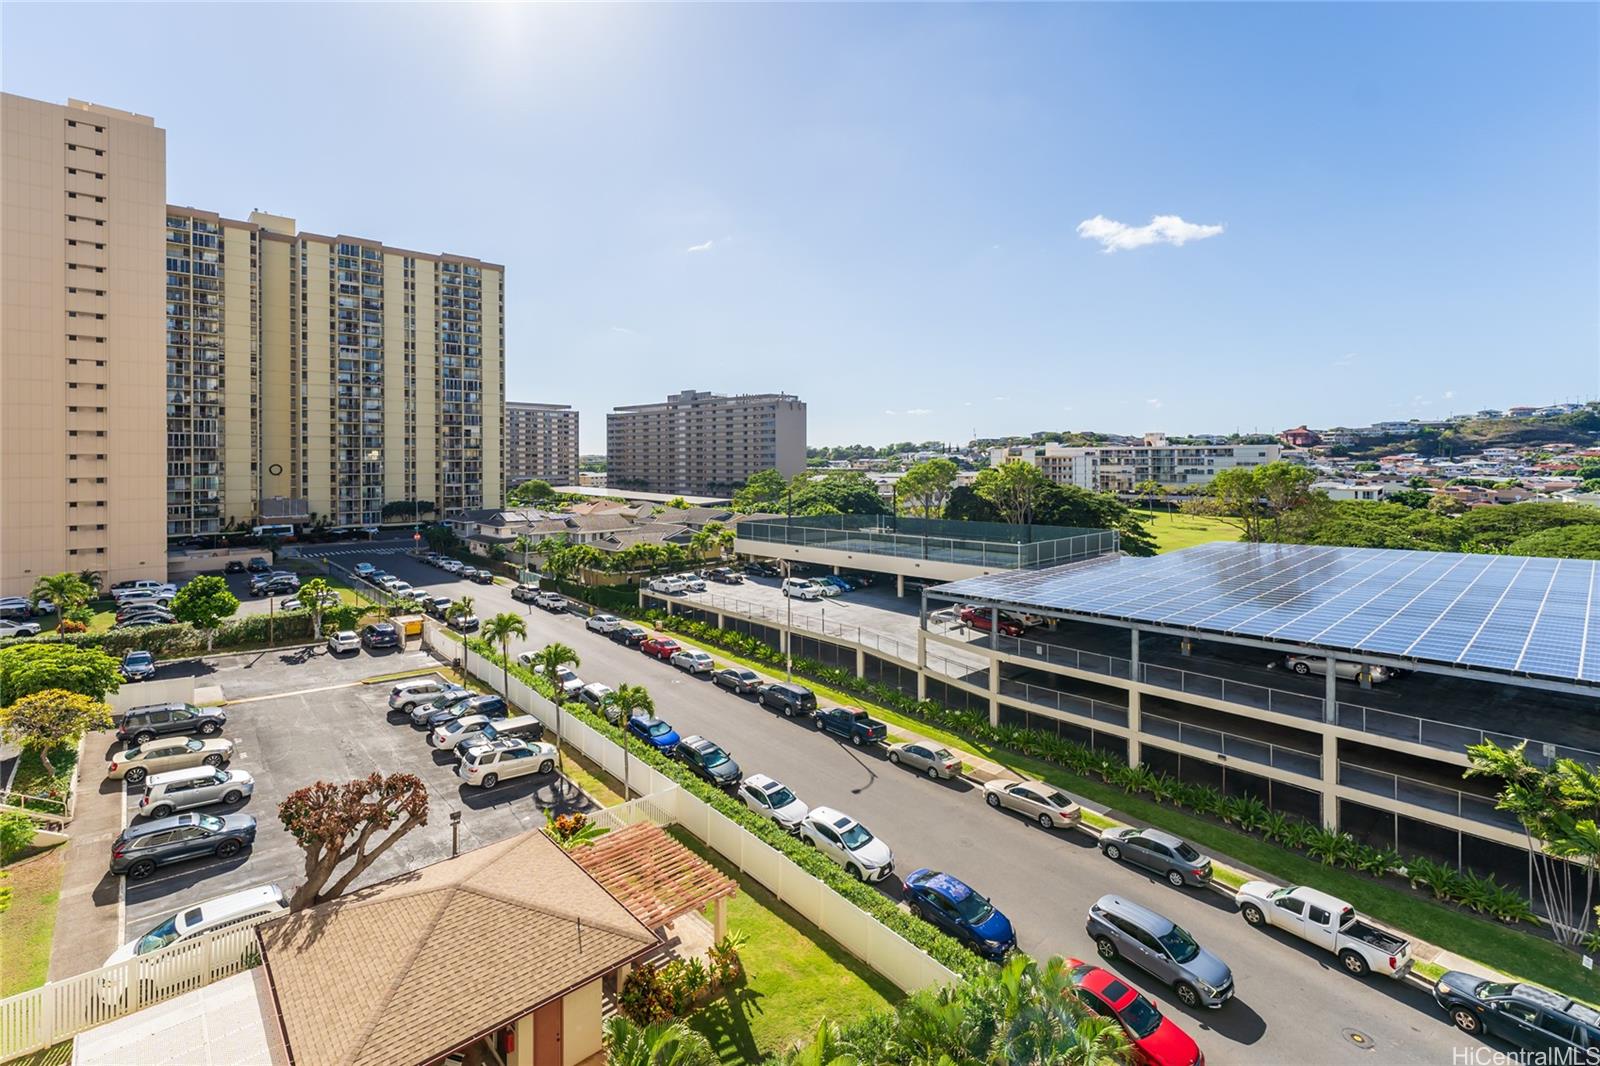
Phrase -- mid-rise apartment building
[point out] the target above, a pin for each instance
(541, 443)
(1119, 467)
(312, 375)
(704, 443)
(82, 438)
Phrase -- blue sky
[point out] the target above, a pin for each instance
(879, 207)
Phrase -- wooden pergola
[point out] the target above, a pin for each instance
(656, 878)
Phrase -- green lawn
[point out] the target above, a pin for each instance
(794, 977)
(27, 925)
(1172, 530)
(32, 780)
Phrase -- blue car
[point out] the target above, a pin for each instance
(837, 582)
(953, 905)
(655, 732)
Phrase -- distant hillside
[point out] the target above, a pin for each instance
(1474, 435)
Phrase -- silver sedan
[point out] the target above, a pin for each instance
(1045, 804)
(938, 763)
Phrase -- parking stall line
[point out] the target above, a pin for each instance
(297, 692)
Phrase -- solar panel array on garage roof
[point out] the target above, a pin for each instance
(1536, 617)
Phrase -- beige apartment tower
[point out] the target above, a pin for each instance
(542, 443)
(82, 416)
(702, 443)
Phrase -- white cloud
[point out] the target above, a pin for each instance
(1001, 399)
(1345, 360)
(622, 329)
(704, 246)
(1154, 401)
(918, 411)
(1449, 394)
(1163, 229)
(888, 412)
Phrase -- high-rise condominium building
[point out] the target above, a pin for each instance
(166, 372)
(542, 443)
(82, 450)
(328, 376)
(1120, 467)
(702, 443)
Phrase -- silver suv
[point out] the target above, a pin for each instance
(1159, 946)
(198, 786)
(486, 765)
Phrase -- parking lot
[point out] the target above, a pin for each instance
(297, 719)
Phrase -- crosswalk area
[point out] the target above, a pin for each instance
(363, 549)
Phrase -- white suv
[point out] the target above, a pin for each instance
(407, 694)
(486, 765)
(848, 843)
(801, 588)
(772, 799)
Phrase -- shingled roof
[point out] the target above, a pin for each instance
(411, 969)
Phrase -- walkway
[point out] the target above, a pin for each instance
(91, 898)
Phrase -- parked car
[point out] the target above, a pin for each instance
(8, 628)
(344, 640)
(668, 584)
(602, 623)
(1156, 1038)
(483, 577)
(236, 908)
(708, 760)
(1161, 947)
(365, 570)
(407, 694)
(451, 566)
(835, 582)
(149, 609)
(140, 848)
(693, 583)
(938, 763)
(138, 762)
(693, 660)
(1342, 669)
(737, 679)
(274, 584)
(771, 798)
(489, 704)
(465, 623)
(1526, 1016)
(140, 621)
(198, 786)
(566, 677)
(447, 736)
(258, 564)
(789, 698)
(142, 724)
(981, 618)
(953, 906)
(1328, 922)
(1045, 804)
(851, 723)
(136, 600)
(551, 601)
(518, 726)
(380, 635)
(486, 765)
(801, 588)
(655, 732)
(138, 666)
(438, 606)
(825, 587)
(421, 712)
(1171, 857)
(760, 569)
(233, 566)
(123, 590)
(595, 694)
(630, 634)
(848, 843)
(663, 648)
(525, 593)
(724, 576)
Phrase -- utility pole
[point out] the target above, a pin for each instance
(788, 635)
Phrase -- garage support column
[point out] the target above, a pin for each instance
(861, 663)
(1330, 780)
(899, 584)
(1135, 714)
(721, 622)
(994, 690)
(1330, 695)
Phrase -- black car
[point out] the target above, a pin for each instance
(789, 698)
(274, 584)
(380, 635)
(762, 570)
(234, 567)
(166, 719)
(723, 575)
(489, 705)
(630, 634)
(709, 761)
(482, 577)
(258, 565)
(737, 679)
(138, 666)
(1532, 1018)
(139, 849)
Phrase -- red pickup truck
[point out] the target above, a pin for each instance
(978, 618)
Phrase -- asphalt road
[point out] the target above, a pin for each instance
(1293, 1004)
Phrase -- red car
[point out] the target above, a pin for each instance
(662, 648)
(1155, 1038)
(978, 618)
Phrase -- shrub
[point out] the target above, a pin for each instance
(16, 834)
(644, 997)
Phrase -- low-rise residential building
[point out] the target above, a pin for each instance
(541, 443)
(1119, 468)
(1300, 437)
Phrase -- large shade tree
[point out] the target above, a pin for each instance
(355, 823)
(51, 720)
(34, 667)
(205, 603)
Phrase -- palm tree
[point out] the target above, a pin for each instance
(548, 661)
(629, 700)
(525, 545)
(499, 630)
(459, 609)
(825, 1049)
(661, 1044)
(312, 594)
(67, 591)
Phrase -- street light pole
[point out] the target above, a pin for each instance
(788, 630)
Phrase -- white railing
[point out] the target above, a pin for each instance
(60, 1010)
(662, 802)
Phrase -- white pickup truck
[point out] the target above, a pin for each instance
(1328, 922)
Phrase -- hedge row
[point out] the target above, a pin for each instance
(182, 639)
(937, 944)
